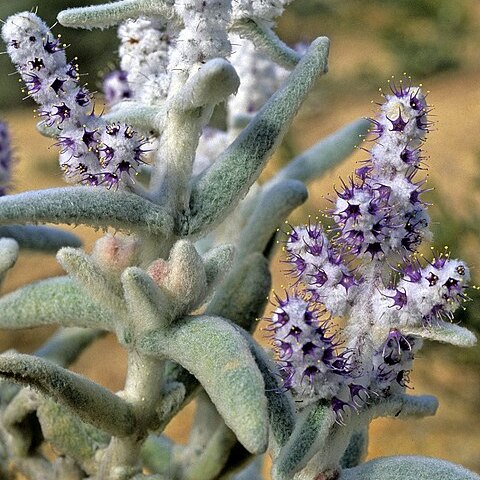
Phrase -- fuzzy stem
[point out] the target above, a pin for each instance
(362, 318)
(142, 391)
(188, 111)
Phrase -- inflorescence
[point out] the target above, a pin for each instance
(92, 150)
(5, 158)
(379, 216)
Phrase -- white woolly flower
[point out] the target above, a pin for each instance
(260, 78)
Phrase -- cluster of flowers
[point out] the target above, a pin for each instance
(144, 55)
(381, 211)
(5, 159)
(377, 215)
(93, 151)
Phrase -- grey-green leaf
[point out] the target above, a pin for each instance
(69, 435)
(314, 424)
(218, 262)
(356, 450)
(90, 276)
(220, 188)
(281, 411)
(264, 38)
(408, 467)
(55, 301)
(44, 239)
(110, 14)
(8, 255)
(148, 305)
(445, 332)
(67, 344)
(401, 406)
(157, 454)
(324, 155)
(242, 296)
(218, 355)
(92, 403)
(273, 206)
(96, 207)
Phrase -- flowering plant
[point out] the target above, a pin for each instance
(186, 275)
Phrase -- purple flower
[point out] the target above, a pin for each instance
(5, 158)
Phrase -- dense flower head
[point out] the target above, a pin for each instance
(378, 216)
(313, 363)
(41, 62)
(204, 36)
(92, 151)
(425, 295)
(145, 44)
(320, 268)
(381, 211)
(5, 158)
(116, 87)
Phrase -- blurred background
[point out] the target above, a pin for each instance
(434, 41)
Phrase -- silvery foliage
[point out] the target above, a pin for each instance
(185, 276)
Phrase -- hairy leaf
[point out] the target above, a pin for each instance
(265, 39)
(146, 302)
(8, 255)
(218, 262)
(216, 192)
(281, 411)
(90, 276)
(218, 355)
(273, 206)
(90, 402)
(324, 155)
(69, 435)
(408, 467)
(110, 14)
(96, 207)
(45, 239)
(445, 332)
(314, 424)
(55, 301)
(242, 296)
(356, 450)
(67, 344)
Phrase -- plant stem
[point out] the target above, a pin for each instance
(142, 390)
